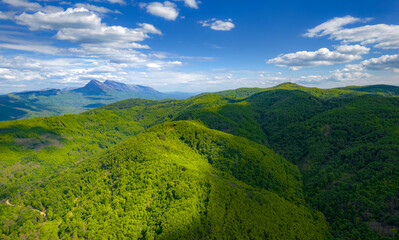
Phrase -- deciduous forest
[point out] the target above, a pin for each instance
(287, 162)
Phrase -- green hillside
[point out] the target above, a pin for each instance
(381, 89)
(176, 181)
(344, 143)
(345, 147)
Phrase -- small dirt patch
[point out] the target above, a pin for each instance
(326, 130)
(45, 140)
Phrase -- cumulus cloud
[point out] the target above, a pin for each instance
(149, 28)
(102, 35)
(218, 25)
(386, 62)
(154, 66)
(353, 49)
(380, 35)
(165, 10)
(83, 26)
(350, 73)
(189, 3)
(72, 18)
(116, 44)
(323, 56)
(313, 79)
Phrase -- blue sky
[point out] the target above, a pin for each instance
(193, 46)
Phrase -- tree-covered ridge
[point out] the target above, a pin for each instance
(178, 180)
(345, 147)
(38, 148)
(383, 90)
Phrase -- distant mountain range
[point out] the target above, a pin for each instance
(95, 87)
(53, 102)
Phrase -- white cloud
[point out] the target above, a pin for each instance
(323, 56)
(165, 10)
(95, 8)
(72, 18)
(153, 65)
(149, 28)
(130, 57)
(31, 48)
(23, 4)
(121, 2)
(190, 3)
(353, 49)
(386, 62)
(312, 79)
(160, 65)
(83, 26)
(32, 6)
(115, 44)
(4, 16)
(332, 26)
(103, 34)
(380, 35)
(350, 73)
(218, 25)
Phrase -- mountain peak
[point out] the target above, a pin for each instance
(96, 82)
(287, 84)
(95, 87)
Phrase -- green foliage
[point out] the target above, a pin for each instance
(33, 150)
(384, 90)
(180, 179)
(175, 181)
(346, 148)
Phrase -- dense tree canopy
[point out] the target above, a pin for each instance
(282, 163)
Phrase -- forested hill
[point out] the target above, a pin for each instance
(276, 161)
(383, 90)
(176, 181)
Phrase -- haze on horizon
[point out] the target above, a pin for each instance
(194, 46)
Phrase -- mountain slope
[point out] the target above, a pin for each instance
(176, 181)
(385, 90)
(345, 148)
